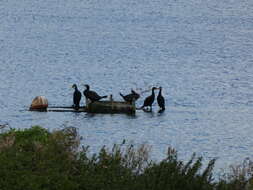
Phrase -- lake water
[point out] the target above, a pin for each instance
(200, 52)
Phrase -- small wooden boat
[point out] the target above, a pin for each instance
(109, 106)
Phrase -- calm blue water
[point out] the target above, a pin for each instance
(200, 52)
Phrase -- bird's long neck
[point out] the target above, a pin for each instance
(160, 92)
(76, 89)
(153, 92)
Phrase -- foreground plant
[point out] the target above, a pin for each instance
(36, 159)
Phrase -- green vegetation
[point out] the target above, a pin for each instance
(36, 159)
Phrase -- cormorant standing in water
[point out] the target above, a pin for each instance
(161, 101)
(149, 100)
(130, 97)
(76, 97)
(91, 95)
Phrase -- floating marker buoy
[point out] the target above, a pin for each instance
(39, 103)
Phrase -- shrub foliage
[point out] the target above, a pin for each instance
(36, 159)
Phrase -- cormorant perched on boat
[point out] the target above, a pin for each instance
(91, 95)
(149, 100)
(161, 101)
(130, 97)
(76, 97)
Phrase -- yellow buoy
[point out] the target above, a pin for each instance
(39, 103)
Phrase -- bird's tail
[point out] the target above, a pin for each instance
(103, 96)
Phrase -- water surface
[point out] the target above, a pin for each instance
(200, 52)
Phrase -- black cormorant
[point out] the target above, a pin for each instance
(130, 97)
(161, 101)
(76, 97)
(149, 100)
(91, 95)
